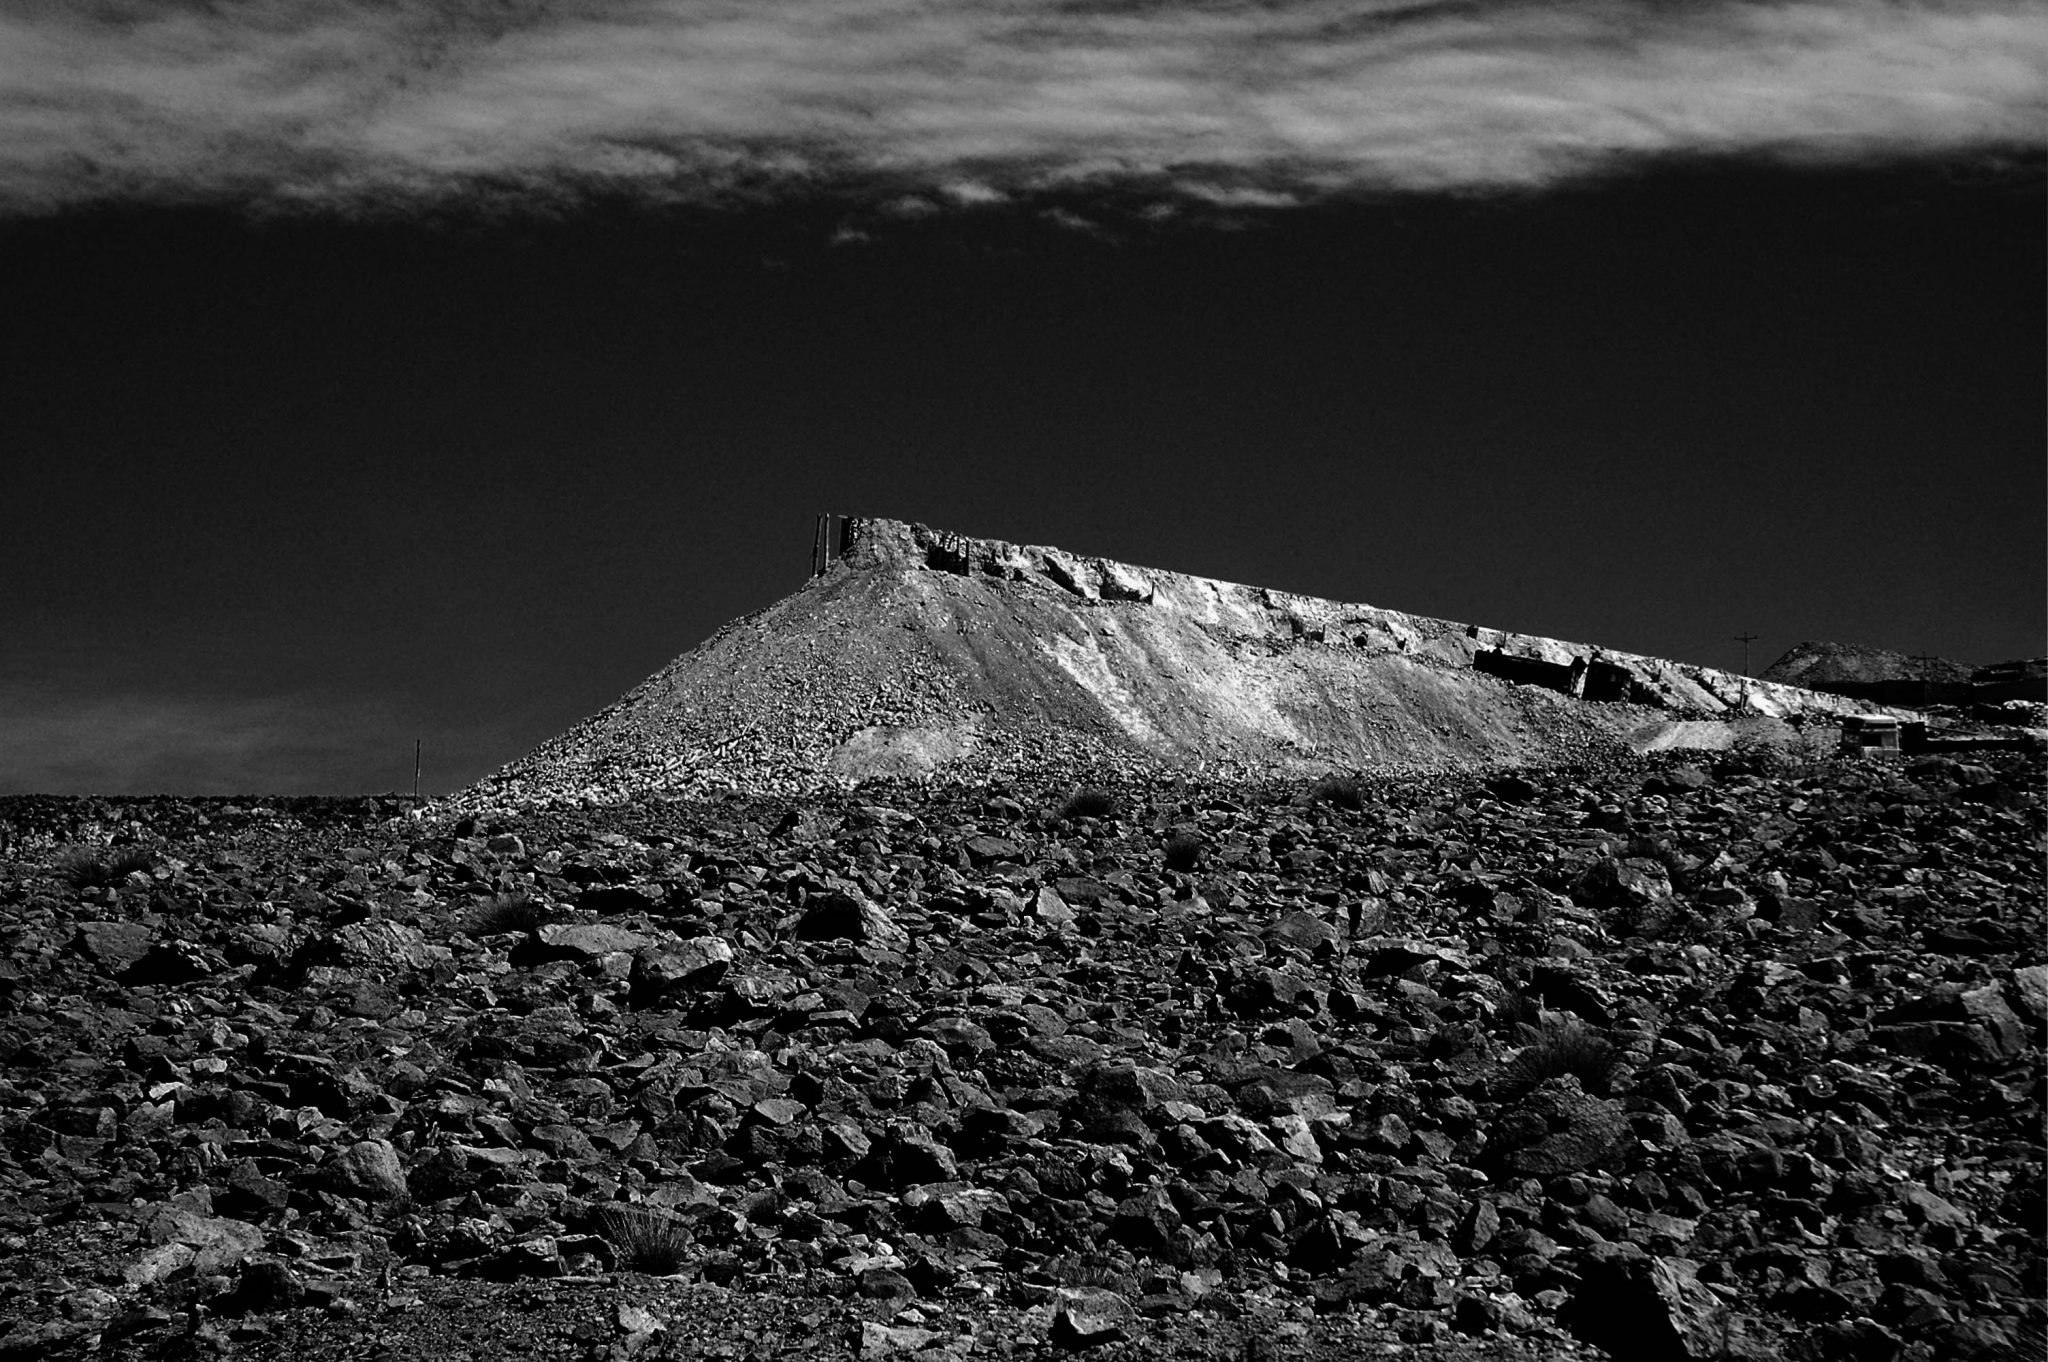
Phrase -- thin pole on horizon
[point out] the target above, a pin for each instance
(1745, 640)
(415, 770)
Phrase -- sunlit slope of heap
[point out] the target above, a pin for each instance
(922, 653)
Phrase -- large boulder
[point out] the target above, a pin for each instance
(369, 1170)
(659, 974)
(841, 916)
(1649, 1309)
(116, 946)
(380, 943)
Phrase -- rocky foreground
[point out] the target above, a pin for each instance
(1654, 1061)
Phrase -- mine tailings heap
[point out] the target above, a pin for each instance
(917, 653)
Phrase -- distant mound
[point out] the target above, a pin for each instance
(918, 653)
(1821, 665)
(1883, 677)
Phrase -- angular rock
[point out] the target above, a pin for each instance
(1084, 1316)
(1558, 1129)
(1477, 1228)
(1611, 883)
(658, 974)
(1051, 909)
(848, 917)
(619, 900)
(1656, 1310)
(589, 940)
(369, 1170)
(265, 1284)
(1399, 954)
(984, 850)
(2030, 991)
(1303, 932)
(115, 945)
(216, 1243)
(894, 1340)
(381, 943)
(170, 963)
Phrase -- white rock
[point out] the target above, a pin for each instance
(1295, 1136)
(887, 1340)
(1089, 1314)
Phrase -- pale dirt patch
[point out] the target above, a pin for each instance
(913, 753)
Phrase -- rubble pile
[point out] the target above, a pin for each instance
(926, 654)
(1740, 1059)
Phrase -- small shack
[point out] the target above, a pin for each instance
(1871, 735)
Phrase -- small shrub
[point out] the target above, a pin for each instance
(1339, 791)
(1088, 804)
(506, 913)
(1554, 1051)
(1521, 1014)
(81, 868)
(647, 1239)
(86, 869)
(1091, 1269)
(128, 861)
(1183, 851)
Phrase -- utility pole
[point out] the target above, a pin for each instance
(1745, 640)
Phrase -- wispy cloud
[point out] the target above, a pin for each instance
(359, 103)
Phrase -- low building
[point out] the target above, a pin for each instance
(1871, 735)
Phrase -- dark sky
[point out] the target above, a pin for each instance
(290, 494)
(300, 471)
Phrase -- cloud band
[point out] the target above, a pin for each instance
(356, 103)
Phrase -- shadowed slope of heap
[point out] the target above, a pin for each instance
(1824, 664)
(924, 653)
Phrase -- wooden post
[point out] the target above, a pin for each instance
(1745, 640)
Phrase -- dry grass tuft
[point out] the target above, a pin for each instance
(83, 868)
(1088, 804)
(1570, 1047)
(1340, 791)
(647, 1239)
(504, 913)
